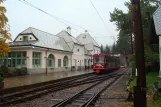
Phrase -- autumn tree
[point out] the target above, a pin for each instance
(4, 31)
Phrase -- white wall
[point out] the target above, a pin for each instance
(160, 54)
(97, 50)
(42, 69)
(89, 46)
(30, 37)
(78, 56)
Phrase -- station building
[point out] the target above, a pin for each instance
(80, 55)
(90, 44)
(42, 52)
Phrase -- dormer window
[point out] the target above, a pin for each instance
(25, 38)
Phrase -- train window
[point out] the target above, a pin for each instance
(99, 60)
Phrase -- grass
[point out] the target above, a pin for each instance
(151, 77)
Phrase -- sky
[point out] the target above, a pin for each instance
(77, 12)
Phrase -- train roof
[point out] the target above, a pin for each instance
(110, 55)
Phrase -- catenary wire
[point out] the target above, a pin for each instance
(59, 19)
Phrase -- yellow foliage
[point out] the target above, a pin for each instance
(4, 32)
(4, 48)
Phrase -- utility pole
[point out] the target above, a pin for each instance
(140, 88)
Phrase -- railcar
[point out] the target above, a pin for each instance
(105, 63)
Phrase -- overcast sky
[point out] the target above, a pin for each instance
(78, 12)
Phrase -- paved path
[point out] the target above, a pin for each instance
(36, 78)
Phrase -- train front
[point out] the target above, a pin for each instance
(98, 63)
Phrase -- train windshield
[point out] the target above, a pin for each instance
(99, 60)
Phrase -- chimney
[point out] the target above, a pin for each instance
(69, 29)
(86, 31)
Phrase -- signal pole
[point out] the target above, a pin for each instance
(140, 88)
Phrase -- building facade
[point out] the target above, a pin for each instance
(42, 52)
(90, 44)
(78, 49)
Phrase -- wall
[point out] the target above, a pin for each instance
(78, 56)
(30, 37)
(160, 54)
(42, 69)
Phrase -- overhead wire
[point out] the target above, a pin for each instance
(99, 15)
(55, 17)
(58, 18)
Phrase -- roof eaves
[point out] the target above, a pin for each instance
(40, 47)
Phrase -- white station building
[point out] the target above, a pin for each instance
(42, 52)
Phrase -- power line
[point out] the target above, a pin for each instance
(99, 15)
(57, 18)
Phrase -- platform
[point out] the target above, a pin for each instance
(36, 78)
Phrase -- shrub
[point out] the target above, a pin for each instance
(18, 71)
(3, 70)
(13, 71)
(1, 78)
(23, 71)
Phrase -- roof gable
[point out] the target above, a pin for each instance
(46, 40)
(86, 38)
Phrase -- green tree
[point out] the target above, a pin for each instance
(123, 23)
(123, 45)
(102, 50)
(107, 49)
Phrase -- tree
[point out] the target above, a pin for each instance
(107, 49)
(123, 45)
(4, 32)
(123, 23)
(102, 50)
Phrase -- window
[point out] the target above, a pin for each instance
(65, 61)
(17, 59)
(3, 61)
(51, 61)
(25, 38)
(30, 38)
(36, 60)
(59, 62)
(78, 50)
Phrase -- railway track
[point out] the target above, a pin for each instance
(87, 96)
(37, 92)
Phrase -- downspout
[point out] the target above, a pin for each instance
(46, 62)
(71, 62)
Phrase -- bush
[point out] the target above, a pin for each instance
(18, 71)
(3, 71)
(23, 71)
(1, 78)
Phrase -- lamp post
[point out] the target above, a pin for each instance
(140, 88)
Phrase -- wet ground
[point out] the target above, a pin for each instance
(36, 78)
